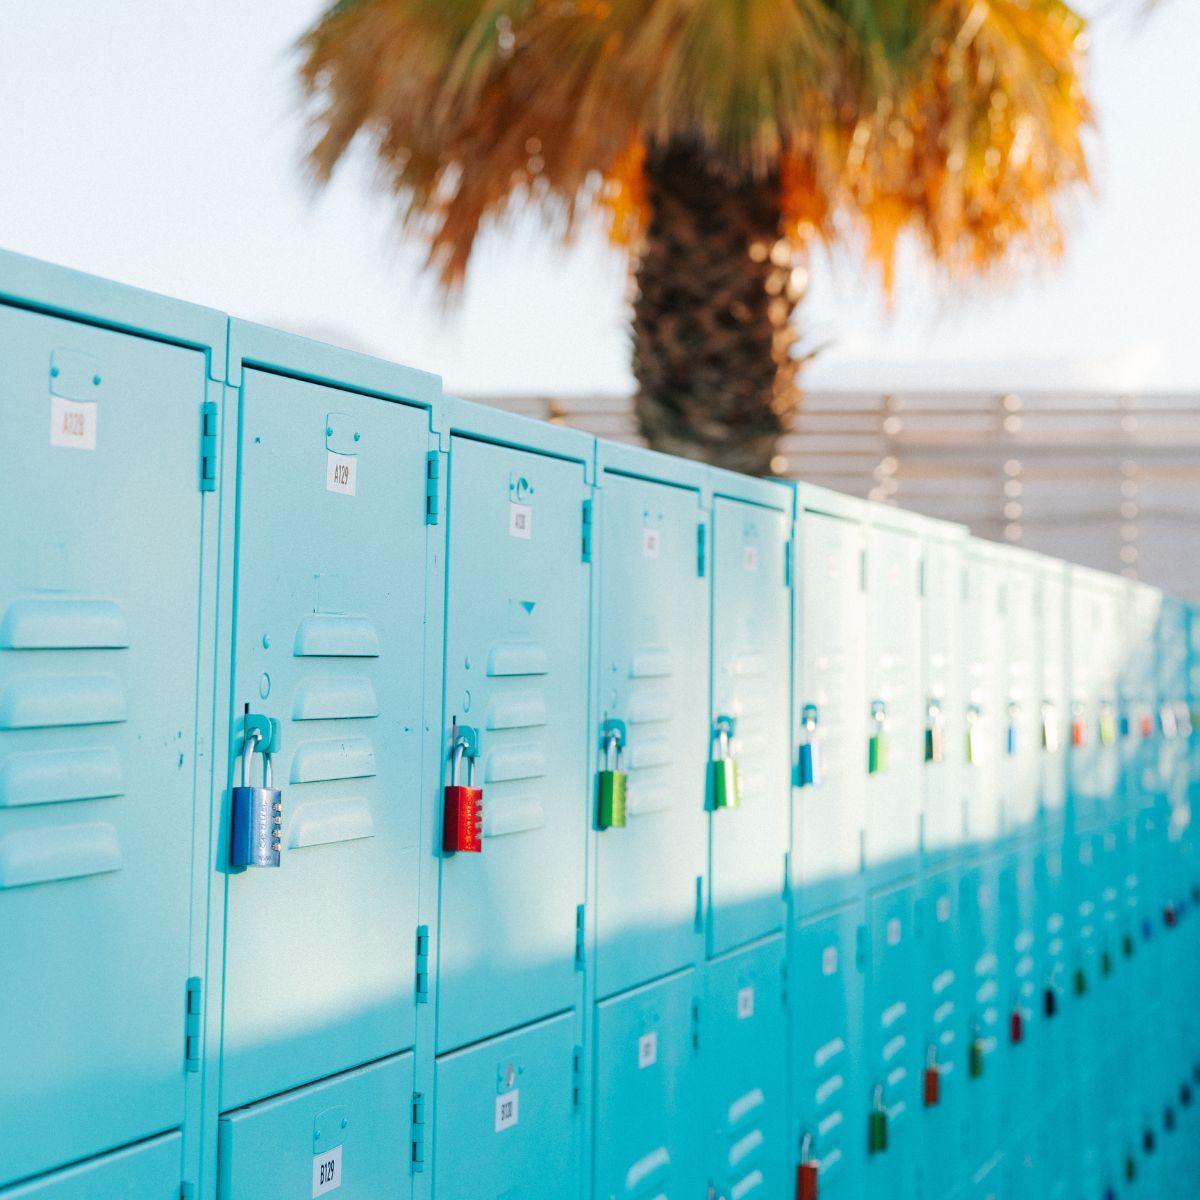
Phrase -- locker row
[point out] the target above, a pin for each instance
(399, 797)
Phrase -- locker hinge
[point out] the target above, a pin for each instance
(191, 1035)
(418, 1133)
(422, 964)
(787, 875)
(208, 446)
(701, 549)
(862, 569)
(699, 904)
(860, 948)
(580, 945)
(433, 472)
(587, 531)
(695, 1024)
(577, 1076)
(921, 579)
(788, 551)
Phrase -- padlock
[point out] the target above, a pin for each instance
(1130, 1168)
(1127, 945)
(1050, 1001)
(975, 1058)
(1125, 726)
(1078, 727)
(1170, 916)
(612, 780)
(1081, 983)
(1169, 1119)
(1108, 725)
(256, 819)
(935, 734)
(1148, 1141)
(1106, 963)
(808, 1173)
(1016, 1027)
(933, 1079)
(974, 736)
(877, 748)
(462, 818)
(1147, 724)
(724, 770)
(1014, 716)
(877, 1127)
(1185, 1094)
(1050, 733)
(810, 749)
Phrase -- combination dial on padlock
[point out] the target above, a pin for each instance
(611, 782)
(725, 791)
(256, 819)
(462, 817)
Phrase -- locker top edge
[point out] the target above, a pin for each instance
(487, 424)
(811, 497)
(652, 465)
(62, 291)
(769, 493)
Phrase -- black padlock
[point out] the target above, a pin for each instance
(256, 819)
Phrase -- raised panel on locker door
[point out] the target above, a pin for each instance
(320, 950)
(945, 748)
(516, 645)
(652, 723)
(148, 1171)
(751, 690)
(100, 588)
(893, 750)
(829, 699)
(1022, 717)
(1054, 716)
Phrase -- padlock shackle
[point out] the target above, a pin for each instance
(613, 745)
(253, 737)
(457, 754)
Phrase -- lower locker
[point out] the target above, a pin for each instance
(506, 1116)
(647, 1102)
(743, 1032)
(147, 1171)
(829, 1117)
(352, 1134)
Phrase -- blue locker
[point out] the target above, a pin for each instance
(1052, 619)
(323, 646)
(743, 1031)
(943, 1074)
(945, 731)
(895, 715)
(829, 701)
(751, 693)
(148, 1171)
(352, 1135)
(1021, 716)
(516, 634)
(100, 636)
(829, 1115)
(507, 1116)
(648, 1107)
(893, 1052)
(651, 715)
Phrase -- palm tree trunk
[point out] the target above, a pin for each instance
(713, 340)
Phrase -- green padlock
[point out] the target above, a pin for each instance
(1108, 725)
(975, 1058)
(877, 749)
(725, 792)
(974, 748)
(1081, 985)
(1106, 963)
(610, 812)
(1127, 945)
(877, 1129)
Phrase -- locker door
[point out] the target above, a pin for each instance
(1022, 717)
(647, 1103)
(99, 611)
(1055, 717)
(984, 686)
(316, 980)
(943, 696)
(653, 675)
(516, 634)
(750, 686)
(828, 712)
(895, 712)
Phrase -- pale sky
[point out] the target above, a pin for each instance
(159, 143)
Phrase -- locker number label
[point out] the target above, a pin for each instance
(520, 521)
(651, 543)
(341, 474)
(750, 558)
(508, 1110)
(745, 1003)
(829, 960)
(647, 1050)
(895, 931)
(943, 909)
(327, 1171)
(72, 423)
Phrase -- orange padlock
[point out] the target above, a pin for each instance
(462, 821)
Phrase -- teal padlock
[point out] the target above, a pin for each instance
(725, 793)
(877, 749)
(810, 749)
(611, 786)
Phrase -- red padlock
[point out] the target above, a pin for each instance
(1147, 724)
(1171, 916)
(1078, 732)
(808, 1173)
(933, 1087)
(1016, 1027)
(462, 821)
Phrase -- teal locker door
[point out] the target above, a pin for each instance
(828, 713)
(507, 1118)
(892, 753)
(893, 1055)
(99, 612)
(983, 728)
(316, 980)
(653, 675)
(147, 1171)
(516, 636)
(945, 748)
(745, 1074)
(829, 1116)
(942, 1082)
(1055, 716)
(751, 639)
(648, 1105)
(1022, 716)
(350, 1136)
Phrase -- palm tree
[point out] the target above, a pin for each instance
(719, 140)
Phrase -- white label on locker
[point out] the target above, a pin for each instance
(750, 558)
(327, 1171)
(508, 1110)
(943, 909)
(647, 1050)
(72, 423)
(745, 1003)
(894, 931)
(520, 521)
(829, 960)
(651, 543)
(341, 474)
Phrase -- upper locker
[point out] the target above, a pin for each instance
(750, 696)
(320, 817)
(649, 729)
(829, 700)
(102, 604)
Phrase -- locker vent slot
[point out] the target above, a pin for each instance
(333, 758)
(45, 701)
(325, 635)
(57, 776)
(339, 697)
(322, 822)
(64, 625)
(32, 856)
